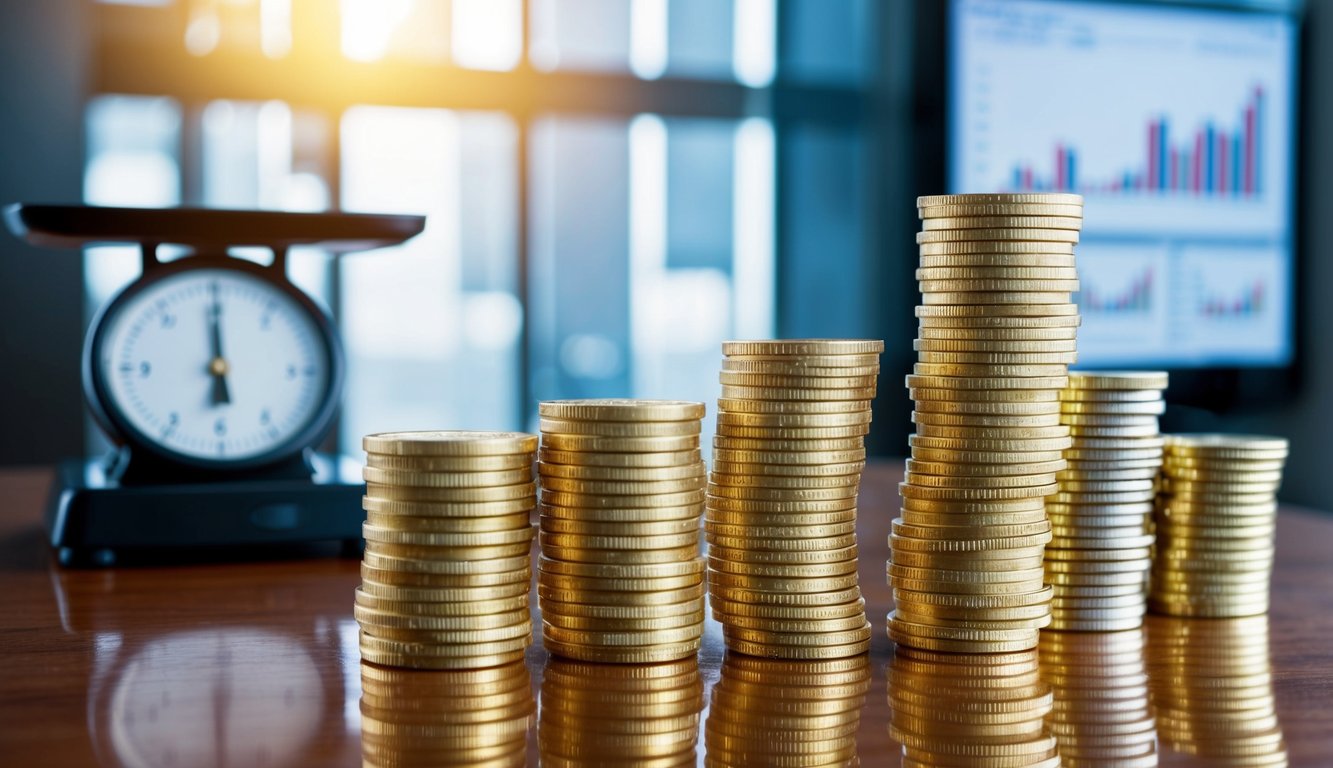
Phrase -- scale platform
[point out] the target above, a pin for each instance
(95, 521)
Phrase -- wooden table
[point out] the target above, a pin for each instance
(256, 663)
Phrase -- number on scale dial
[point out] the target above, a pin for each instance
(214, 364)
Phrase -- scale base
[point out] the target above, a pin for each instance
(94, 521)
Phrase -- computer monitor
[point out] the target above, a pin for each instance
(1177, 124)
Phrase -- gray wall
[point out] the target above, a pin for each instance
(43, 67)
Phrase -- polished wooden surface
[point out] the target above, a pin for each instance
(256, 663)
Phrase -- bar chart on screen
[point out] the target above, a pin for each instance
(1176, 125)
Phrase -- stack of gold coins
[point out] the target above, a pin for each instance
(1101, 714)
(781, 520)
(1212, 690)
(1101, 545)
(970, 709)
(1215, 518)
(774, 712)
(620, 578)
(463, 717)
(997, 335)
(612, 714)
(447, 569)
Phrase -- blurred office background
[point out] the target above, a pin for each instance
(613, 188)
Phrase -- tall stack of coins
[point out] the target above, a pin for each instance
(445, 718)
(446, 572)
(1101, 714)
(1212, 690)
(997, 335)
(970, 709)
(773, 712)
(611, 714)
(1100, 550)
(781, 520)
(620, 577)
(1215, 518)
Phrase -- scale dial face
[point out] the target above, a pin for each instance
(216, 366)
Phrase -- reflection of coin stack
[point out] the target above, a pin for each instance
(781, 517)
(970, 709)
(1216, 518)
(997, 334)
(1101, 714)
(1100, 551)
(602, 714)
(620, 578)
(446, 573)
(472, 717)
(1212, 690)
(767, 712)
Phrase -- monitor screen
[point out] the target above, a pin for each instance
(1177, 126)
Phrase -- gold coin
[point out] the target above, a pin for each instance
(613, 571)
(766, 506)
(811, 361)
(463, 601)
(793, 471)
(723, 582)
(955, 469)
(790, 433)
(822, 612)
(625, 501)
(973, 507)
(921, 613)
(586, 624)
(992, 346)
(960, 646)
(902, 528)
(621, 487)
(460, 480)
(975, 371)
(1030, 396)
(621, 474)
(1109, 420)
(808, 557)
(794, 367)
(688, 607)
(804, 347)
(996, 273)
(1040, 596)
(782, 494)
(449, 443)
(1001, 222)
(413, 661)
(936, 332)
(449, 463)
(914, 491)
(411, 605)
(807, 639)
(782, 545)
(996, 285)
(553, 426)
(1118, 380)
(912, 517)
(1001, 209)
(784, 481)
(920, 482)
(989, 408)
(687, 458)
(600, 444)
(793, 420)
(633, 515)
(990, 546)
(498, 626)
(996, 358)
(418, 572)
(903, 573)
(623, 655)
(523, 491)
(582, 541)
(550, 593)
(1201, 463)
(580, 554)
(806, 446)
(1020, 448)
(587, 528)
(449, 524)
(992, 312)
(427, 557)
(1000, 303)
(576, 584)
(795, 407)
(782, 570)
(790, 458)
(1006, 234)
(383, 645)
(854, 622)
(852, 394)
(993, 459)
(617, 409)
(1139, 408)
(767, 380)
(1001, 198)
(480, 539)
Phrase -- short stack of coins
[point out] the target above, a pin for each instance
(970, 709)
(446, 718)
(774, 712)
(620, 578)
(1101, 547)
(617, 714)
(1212, 690)
(781, 519)
(1216, 518)
(997, 335)
(447, 569)
(1101, 714)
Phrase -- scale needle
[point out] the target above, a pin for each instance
(218, 365)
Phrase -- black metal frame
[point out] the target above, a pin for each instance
(139, 50)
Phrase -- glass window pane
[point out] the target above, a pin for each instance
(488, 34)
(409, 29)
(827, 41)
(638, 253)
(263, 26)
(700, 34)
(581, 34)
(432, 327)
